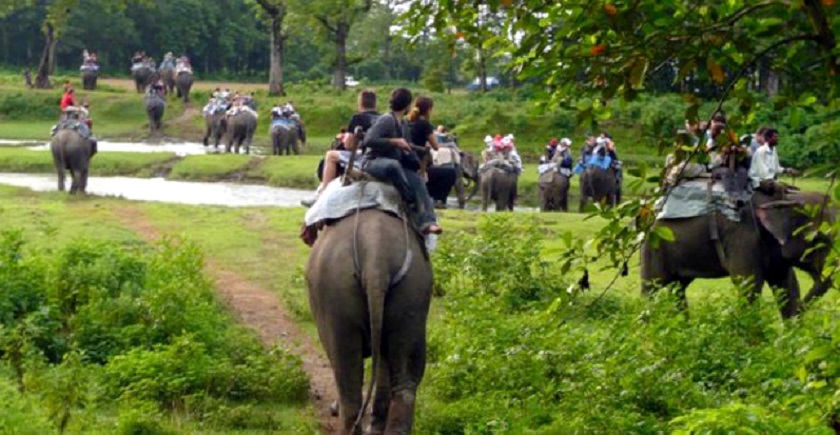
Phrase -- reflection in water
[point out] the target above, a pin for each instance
(178, 192)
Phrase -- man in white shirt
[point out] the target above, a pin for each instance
(765, 167)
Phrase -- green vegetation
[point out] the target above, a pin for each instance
(104, 163)
(513, 351)
(93, 323)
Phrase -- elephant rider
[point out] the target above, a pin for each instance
(390, 157)
(182, 64)
(765, 168)
(157, 88)
(422, 131)
(168, 60)
(562, 156)
(68, 99)
(338, 158)
(137, 59)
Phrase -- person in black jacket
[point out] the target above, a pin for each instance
(336, 160)
(390, 157)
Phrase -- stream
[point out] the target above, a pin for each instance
(175, 192)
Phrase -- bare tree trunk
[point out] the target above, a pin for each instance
(482, 70)
(341, 31)
(275, 75)
(42, 80)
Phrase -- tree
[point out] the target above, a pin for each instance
(56, 17)
(336, 18)
(276, 11)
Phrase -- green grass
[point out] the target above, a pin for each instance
(288, 171)
(15, 159)
(209, 167)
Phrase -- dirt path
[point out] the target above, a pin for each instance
(259, 309)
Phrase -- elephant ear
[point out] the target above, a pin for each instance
(777, 218)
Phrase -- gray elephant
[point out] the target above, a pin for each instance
(143, 77)
(601, 185)
(155, 107)
(240, 129)
(183, 83)
(554, 191)
(215, 127)
(72, 152)
(498, 185)
(167, 74)
(378, 308)
(89, 77)
(284, 140)
(763, 246)
(466, 176)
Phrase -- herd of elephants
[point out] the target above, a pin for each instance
(377, 304)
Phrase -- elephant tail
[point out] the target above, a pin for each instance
(376, 308)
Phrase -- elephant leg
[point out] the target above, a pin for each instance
(406, 352)
(348, 368)
(381, 400)
(275, 144)
(74, 183)
(59, 169)
(785, 287)
(459, 187)
(83, 177)
(206, 140)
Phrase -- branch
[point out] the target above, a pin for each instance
(758, 57)
(271, 9)
(326, 23)
(746, 10)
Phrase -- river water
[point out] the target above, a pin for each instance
(176, 192)
(179, 149)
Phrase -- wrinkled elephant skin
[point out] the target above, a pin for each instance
(240, 129)
(599, 184)
(284, 141)
(183, 83)
(215, 126)
(155, 107)
(355, 319)
(89, 78)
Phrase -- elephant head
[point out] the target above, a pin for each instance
(792, 223)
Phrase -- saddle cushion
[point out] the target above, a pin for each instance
(337, 201)
(691, 198)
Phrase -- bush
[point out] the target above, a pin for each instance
(88, 323)
(513, 352)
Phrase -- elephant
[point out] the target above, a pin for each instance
(216, 125)
(376, 306)
(284, 140)
(143, 77)
(167, 74)
(600, 185)
(466, 175)
(72, 152)
(240, 129)
(183, 83)
(554, 191)
(155, 107)
(89, 77)
(764, 246)
(498, 185)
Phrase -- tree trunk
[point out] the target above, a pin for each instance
(42, 80)
(482, 71)
(341, 31)
(275, 75)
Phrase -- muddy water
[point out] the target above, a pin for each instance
(177, 192)
(180, 149)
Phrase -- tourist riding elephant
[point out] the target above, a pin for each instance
(554, 191)
(240, 129)
(763, 246)
(155, 106)
(215, 127)
(376, 305)
(89, 77)
(284, 139)
(466, 175)
(184, 82)
(72, 152)
(600, 185)
(167, 74)
(143, 77)
(498, 185)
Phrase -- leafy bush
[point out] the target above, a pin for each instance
(91, 322)
(514, 353)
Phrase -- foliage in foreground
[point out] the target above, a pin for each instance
(85, 326)
(536, 359)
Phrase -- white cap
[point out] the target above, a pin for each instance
(566, 142)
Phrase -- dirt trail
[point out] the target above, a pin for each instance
(258, 308)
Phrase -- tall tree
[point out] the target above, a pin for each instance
(336, 18)
(276, 11)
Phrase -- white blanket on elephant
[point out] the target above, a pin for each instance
(690, 199)
(337, 201)
(183, 69)
(286, 124)
(234, 111)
